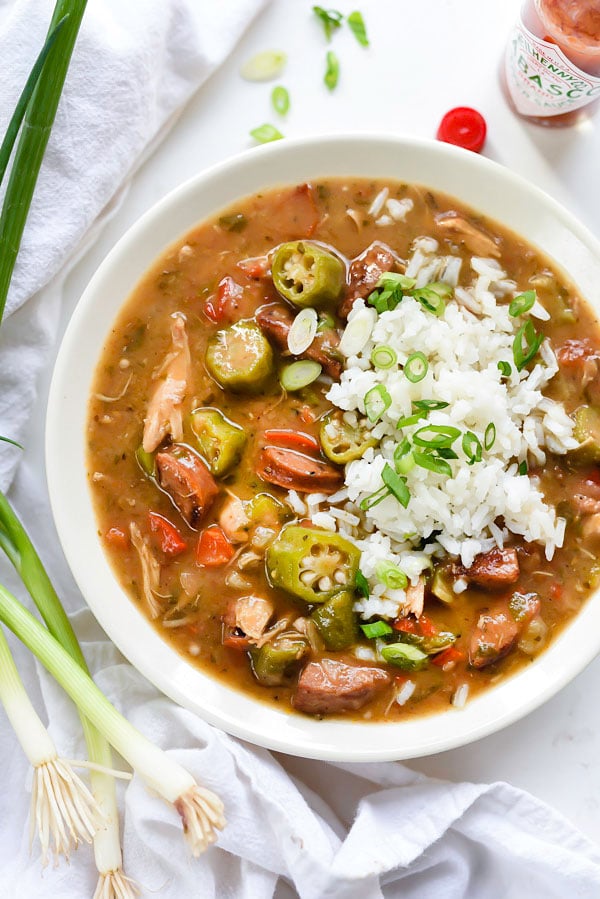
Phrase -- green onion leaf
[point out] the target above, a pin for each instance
(266, 133)
(280, 99)
(430, 405)
(331, 19)
(361, 584)
(236, 222)
(377, 400)
(264, 66)
(358, 28)
(391, 576)
(376, 629)
(299, 374)
(396, 485)
(332, 71)
(395, 279)
(472, 447)
(326, 322)
(526, 344)
(442, 289)
(403, 458)
(430, 299)
(416, 367)
(523, 467)
(383, 357)
(505, 369)
(441, 436)
(444, 452)
(374, 498)
(411, 420)
(489, 438)
(432, 463)
(522, 304)
(405, 656)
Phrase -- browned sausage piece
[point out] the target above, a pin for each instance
(329, 687)
(295, 471)
(494, 636)
(276, 321)
(187, 480)
(364, 273)
(494, 569)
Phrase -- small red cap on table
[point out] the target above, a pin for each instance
(464, 127)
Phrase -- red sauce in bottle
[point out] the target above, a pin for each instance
(552, 69)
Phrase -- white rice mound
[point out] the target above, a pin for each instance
(463, 349)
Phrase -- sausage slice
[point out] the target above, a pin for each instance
(295, 471)
(276, 320)
(494, 569)
(364, 273)
(494, 636)
(187, 480)
(329, 687)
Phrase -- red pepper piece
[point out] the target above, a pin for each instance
(214, 549)
(169, 539)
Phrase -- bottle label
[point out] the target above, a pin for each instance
(541, 80)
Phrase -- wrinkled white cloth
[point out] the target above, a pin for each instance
(353, 832)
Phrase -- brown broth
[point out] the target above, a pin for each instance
(182, 280)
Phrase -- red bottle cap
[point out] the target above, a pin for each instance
(464, 127)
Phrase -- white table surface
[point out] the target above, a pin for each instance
(425, 58)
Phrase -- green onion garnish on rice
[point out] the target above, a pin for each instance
(472, 447)
(522, 304)
(376, 629)
(391, 576)
(396, 485)
(526, 344)
(432, 463)
(415, 367)
(430, 405)
(383, 357)
(489, 438)
(436, 436)
(362, 584)
(504, 368)
(377, 400)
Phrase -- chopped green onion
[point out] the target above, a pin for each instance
(396, 279)
(430, 300)
(326, 322)
(489, 438)
(280, 99)
(522, 304)
(236, 222)
(410, 420)
(472, 447)
(377, 400)
(266, 133)
(430, 405)
(404, 655)
(416, 367)
(441, 436)
(264, 66)
(391, 576)
(383, 356)
(331, 19)
(432, 463)
(362, 584)
(374, 498)
(523, 467)
(376, 629)
(526, 344)
(404, 461)
(332, 71)
(396, 485)
(358, 28)
(504, 368)
(441, 288)
(444, 452)
(299, 374)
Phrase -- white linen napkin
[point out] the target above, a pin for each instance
(365, 831)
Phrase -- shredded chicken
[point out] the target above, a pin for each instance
(164, 414)
(415, 597)
(277, 628)
(252, 615)
(150, 569)
(233, 519)
(475, 240)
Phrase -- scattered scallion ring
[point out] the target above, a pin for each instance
(441, 436)
(504, 368)
(361, 584)
(373, 499)
(526, 344)
(523, 467)
(377, 400)
(396, 485)
(376, 629)
(430, 405)
(411, 420)
(522, 304)
(432, 463)
(383, 356)
(416, 367)
(472, 447)
(299, 374)
(489, 438)
(391, 576)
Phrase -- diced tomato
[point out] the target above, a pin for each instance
(292, 439)
(117, 538)
(307, 415)
(572, 353)
(426, 626)
(169, 539)
(255, 266)
(556, 591)
(448, 655)
(218, 307)
(214, 549)
(405, 625)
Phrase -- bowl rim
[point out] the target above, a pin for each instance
(220, 705)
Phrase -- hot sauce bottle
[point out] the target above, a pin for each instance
(552, 66)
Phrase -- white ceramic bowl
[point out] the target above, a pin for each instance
(486, 186)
